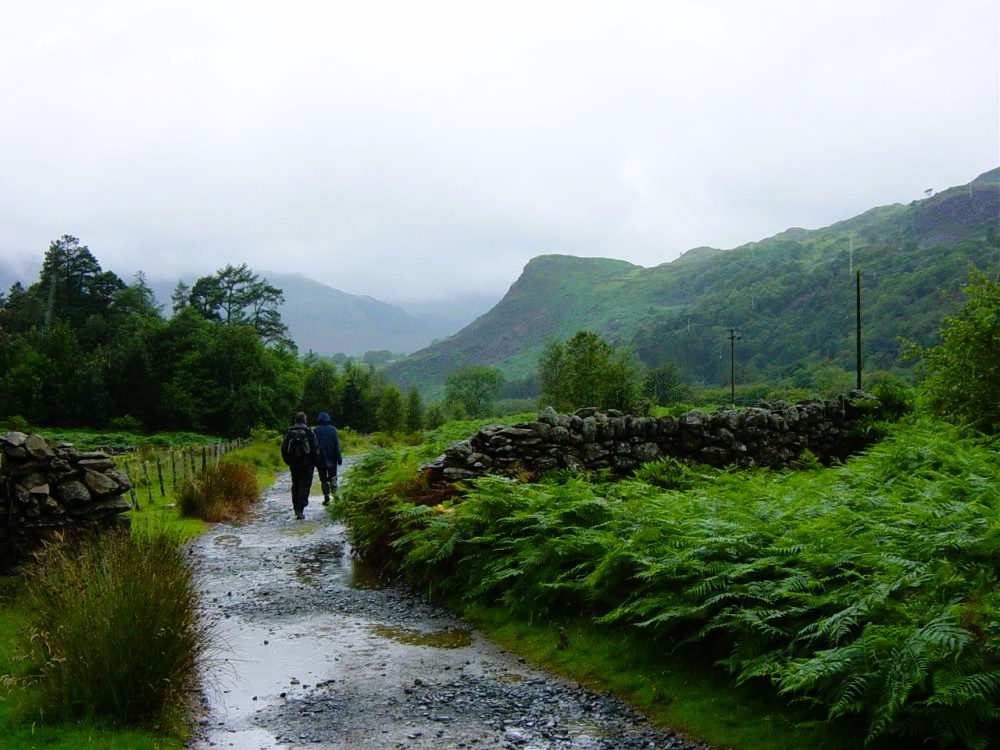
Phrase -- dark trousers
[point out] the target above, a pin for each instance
(302, 478)
(328, 478)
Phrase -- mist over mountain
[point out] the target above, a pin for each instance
(327, 321)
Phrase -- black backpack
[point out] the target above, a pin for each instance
(299, 448)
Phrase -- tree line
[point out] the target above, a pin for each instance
(82, 347)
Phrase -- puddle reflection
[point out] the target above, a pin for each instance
(440, 639)
(361, 575)
(352, 572)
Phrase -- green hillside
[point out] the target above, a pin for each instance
(791, 297)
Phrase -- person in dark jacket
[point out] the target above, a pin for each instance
(300, 450)
(328, 456)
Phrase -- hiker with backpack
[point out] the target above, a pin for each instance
(300, 450)
(328, 458)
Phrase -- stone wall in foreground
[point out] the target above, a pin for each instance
(47, 487)
(773, 435)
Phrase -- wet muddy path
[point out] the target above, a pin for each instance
(319, 653)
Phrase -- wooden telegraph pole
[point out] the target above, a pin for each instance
(857, 336)
(732, 363)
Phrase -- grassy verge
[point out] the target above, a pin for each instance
(675, 691)
(33, 712)
(211, 495)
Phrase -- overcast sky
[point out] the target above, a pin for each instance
(420, 149)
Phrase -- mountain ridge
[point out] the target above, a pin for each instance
(796, 282)
(328, 321)
(557, 294)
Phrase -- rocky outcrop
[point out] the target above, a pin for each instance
(773, 436)
(48, 487)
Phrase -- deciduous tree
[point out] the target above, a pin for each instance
(962, 373)
(587, 371)
(470, 390)
(235, 295)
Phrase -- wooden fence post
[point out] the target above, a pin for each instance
(149, 485)
(159, 474)
(131, 486)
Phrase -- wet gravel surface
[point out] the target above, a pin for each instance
(318, 652)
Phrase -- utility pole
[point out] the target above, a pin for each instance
(732, 363)
(857, 317)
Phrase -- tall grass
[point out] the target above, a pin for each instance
(867, 590)
(116, 634)
(49, 642)
(218, 493)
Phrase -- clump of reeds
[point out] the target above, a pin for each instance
(116, 630)
(219, 492)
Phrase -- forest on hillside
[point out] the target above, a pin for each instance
(81, 347)
(791, 300)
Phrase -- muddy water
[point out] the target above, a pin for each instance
(317, 651)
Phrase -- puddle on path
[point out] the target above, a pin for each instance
(360, 575)
(441, 639)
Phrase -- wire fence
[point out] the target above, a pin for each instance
(154, 475)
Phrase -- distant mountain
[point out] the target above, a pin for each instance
(328, 321)
(791, 296)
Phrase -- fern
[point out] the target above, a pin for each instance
(868, 589)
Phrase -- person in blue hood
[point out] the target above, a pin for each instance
(329, 457)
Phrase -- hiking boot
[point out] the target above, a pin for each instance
(300, 516)
(326, 499)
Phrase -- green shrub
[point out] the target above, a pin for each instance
(963, 379)
(262, 434)
(259, 455)
(15, 423)
(382, 439)
(369, 502)
(895, 398)
(219, 492)
(116, 632)
(125, 423)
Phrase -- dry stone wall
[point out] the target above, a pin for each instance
(773, 435)
(48, 487)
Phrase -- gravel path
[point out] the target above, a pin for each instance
(320, 653)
